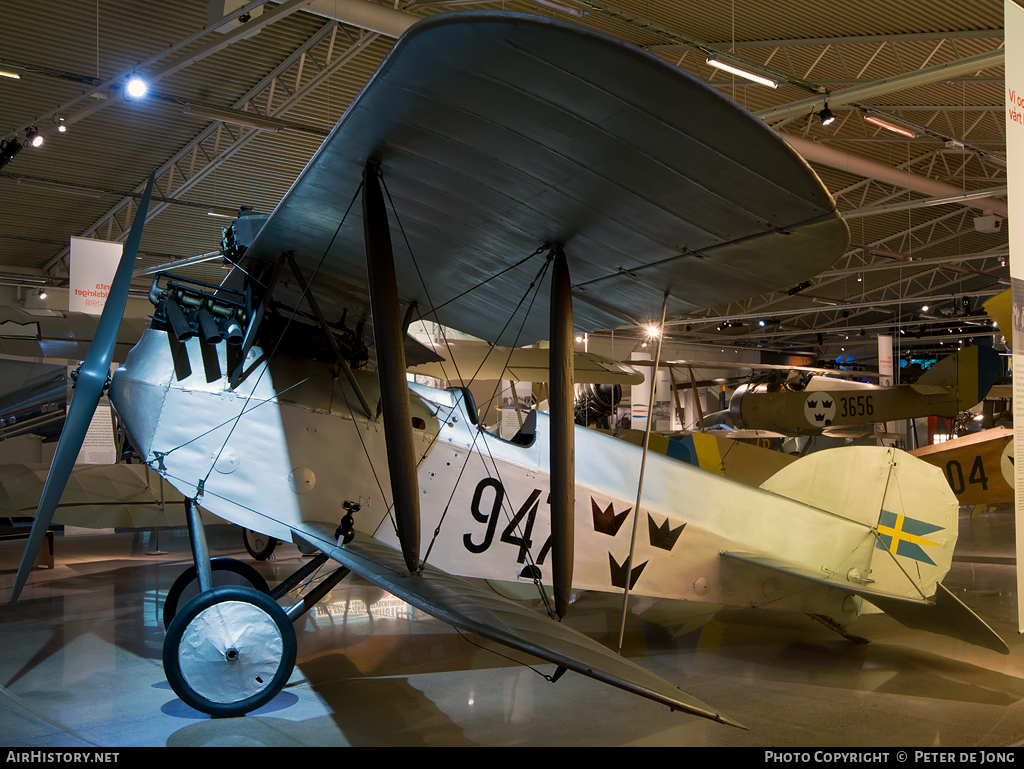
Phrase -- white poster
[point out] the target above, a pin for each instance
(1014, 24)
(93, 264)
(665, 419)
(511, 419)
(640, 395)
(98, 448)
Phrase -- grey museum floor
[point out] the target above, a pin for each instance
(81, 666)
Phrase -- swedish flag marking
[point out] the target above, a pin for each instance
(904, 536)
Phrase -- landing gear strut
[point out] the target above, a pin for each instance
(231, 648)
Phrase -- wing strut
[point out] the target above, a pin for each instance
(330, 336)
(563, 472)
(389, 342)
(256, 318)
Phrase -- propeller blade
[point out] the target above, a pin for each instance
(92, 379)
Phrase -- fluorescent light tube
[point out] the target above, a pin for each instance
(889, 126)
(714, 61)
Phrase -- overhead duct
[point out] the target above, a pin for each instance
(815, 152)
(365, 15)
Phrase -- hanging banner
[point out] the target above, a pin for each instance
(93, 264)
(885, 359)
(886, 374)
(1014, 25)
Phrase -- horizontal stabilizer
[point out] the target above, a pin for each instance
(477, 610)
(944, 614)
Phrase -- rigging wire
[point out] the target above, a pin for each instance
(266, 365)
(538, 279)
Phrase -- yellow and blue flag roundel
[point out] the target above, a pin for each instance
(903, 535)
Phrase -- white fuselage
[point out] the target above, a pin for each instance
(289, 445)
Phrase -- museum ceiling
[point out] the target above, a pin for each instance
(920, 205)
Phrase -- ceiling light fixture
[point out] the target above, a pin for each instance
(826, 116)
(33, 137)
(870, 117)
(714, 61)
(136, 87)
(8, 73)
(42, 293)
(8, 149)
(61, 125)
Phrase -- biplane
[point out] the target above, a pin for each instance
(958, 382)
(517, 177)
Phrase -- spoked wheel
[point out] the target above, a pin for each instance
(229, 651)
(260, 546)
(226, 571)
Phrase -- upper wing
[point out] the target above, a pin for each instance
(498, 133)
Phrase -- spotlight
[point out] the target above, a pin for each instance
(136, 87)
(797, 289)
(42, 293)
(33, 137)
(652, 330)
(826, 116)
(61, 125)
(8, 150)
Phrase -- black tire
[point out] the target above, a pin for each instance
(259, 546)
(218, 670)
(226, 571)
